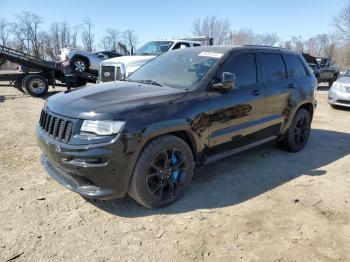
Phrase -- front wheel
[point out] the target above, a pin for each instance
(298, 132)
(162, 173)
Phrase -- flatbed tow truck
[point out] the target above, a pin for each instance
(36, 74)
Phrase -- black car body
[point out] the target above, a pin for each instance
(212, 120)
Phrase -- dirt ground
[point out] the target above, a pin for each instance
(263, 205)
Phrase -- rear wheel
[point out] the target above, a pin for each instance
(35, 84)
(298, 132)
(162, 173)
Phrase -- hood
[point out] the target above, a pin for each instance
(127, 60)
(343, 80)
(104, 101)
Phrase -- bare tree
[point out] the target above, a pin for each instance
(74, 37)
(4, 32)
(87, 36)
(129, 39)
(298, 43)
(111, 39)
(342, 22)
(26, 31)
(244, 36)
(213, 27)
(266, 39)
(342, 56)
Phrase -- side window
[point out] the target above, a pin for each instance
(244, 67)
(197, 45)
(272, 68)
(295, 67)
(181, 45)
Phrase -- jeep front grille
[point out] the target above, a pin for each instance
(56, 127)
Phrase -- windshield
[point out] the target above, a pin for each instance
(178, 69)
(347, 74)
(154, 48)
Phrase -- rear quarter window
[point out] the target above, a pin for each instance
(273, 68)
(295, 67)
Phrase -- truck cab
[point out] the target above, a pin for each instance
(118, 68)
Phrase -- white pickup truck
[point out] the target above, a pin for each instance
(120, 67)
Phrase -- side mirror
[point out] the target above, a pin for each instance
(228, 82)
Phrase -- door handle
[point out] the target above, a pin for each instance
(255, 93)
(292, 86)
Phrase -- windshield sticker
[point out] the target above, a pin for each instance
(210, 54)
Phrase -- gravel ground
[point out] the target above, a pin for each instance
(262, 205)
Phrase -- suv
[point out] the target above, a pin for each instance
(120, 67)
(84, 61)
(146, 135)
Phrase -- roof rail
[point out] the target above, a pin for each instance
(267, 46)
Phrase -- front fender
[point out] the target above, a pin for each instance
(197, 135)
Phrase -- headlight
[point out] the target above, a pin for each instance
(102, 128)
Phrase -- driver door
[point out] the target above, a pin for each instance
(234, 117)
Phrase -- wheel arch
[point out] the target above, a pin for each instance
(308, 105)
(182, 131)
(81, 57)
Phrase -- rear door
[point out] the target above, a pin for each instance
(234, 117)
(278, 90)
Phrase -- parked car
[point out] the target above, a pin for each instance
(120, 67)
(339, 93)
(323, 69)
(84, 60)
(146, 135)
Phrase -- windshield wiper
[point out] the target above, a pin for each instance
(147, 81)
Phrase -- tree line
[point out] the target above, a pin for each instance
(335, 45)
(26, 34)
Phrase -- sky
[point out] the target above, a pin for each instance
(155, 19)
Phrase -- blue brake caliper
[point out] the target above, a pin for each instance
(175, 174)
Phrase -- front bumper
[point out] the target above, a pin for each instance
(100, 171)
(339, 98)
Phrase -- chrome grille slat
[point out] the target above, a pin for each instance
(55, 126)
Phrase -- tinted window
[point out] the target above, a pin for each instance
(244, 67)
(181, 45)
(295, 67)
(272, 68)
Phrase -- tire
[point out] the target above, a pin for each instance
(156, 167)
(81, 82)
(298, 132)
(80, 64)
(334, 106)
(18, 85)
(35, 85)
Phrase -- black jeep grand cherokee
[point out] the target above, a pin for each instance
(145, 136)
